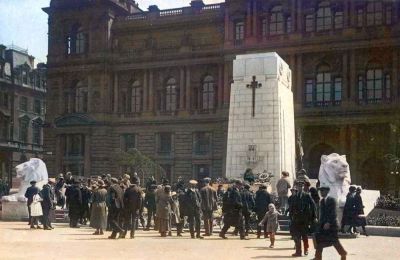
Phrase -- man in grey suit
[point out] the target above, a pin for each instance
(327, 234)
(208, 205)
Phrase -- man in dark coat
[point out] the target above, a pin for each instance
(232, 210)
(262, 200)
(208, 205)
(74, 196)
(47, 205)
(328, 226)
(86, 195)
(349, 211)
(116, 197)
(150, 204)
(193, 207)
(132, 205)
(248, 206)
(30, 192)
(303, 216)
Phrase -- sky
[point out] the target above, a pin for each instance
(23, 23)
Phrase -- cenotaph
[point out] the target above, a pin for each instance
(261, 133)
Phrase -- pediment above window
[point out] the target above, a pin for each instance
(74, 120)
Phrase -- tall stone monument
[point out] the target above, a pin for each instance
(261, 133)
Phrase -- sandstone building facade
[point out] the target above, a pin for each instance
(159, 80)
(22, 108)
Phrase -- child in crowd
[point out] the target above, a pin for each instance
(271, 218)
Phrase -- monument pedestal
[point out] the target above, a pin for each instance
(14, 210)
(261, 133)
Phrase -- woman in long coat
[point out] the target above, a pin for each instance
(164, 201)
(98, 217)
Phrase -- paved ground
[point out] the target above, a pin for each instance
(17, 241)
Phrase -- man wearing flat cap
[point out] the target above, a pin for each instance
(133, 203)
(74, 196)
(303, 216)
(47, 203)
(327, 234)
(30, 192)
(208, 205)
(262, 200)
(193, 208)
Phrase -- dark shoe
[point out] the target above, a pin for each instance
(51, 227)
(222, 236)
(244, 238)
(96, 233)
(132, 235)
(200, 237)
(296, 255)
(178, 235)
(343, 257)
(39, 227)
(146, 229)
(306, 252)
(206, 235)
(258, 236)
(101, 233)
(32, 227)
(112, 237)
(46, 228)
(170, 234)
(122, 235)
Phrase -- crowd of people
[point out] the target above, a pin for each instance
(117, 205)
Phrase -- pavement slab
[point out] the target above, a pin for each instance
(17, 241)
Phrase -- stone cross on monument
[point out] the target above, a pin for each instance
(254, 85)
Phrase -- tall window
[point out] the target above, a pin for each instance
(136, 97)
(374, 13)
(25, 77)
(201, 143)
(126, 100)
(23, 103)
(239, 32)
(164, 143)
(37, 106)
(388, 14)
(208, 93)
(337, 91)
(4, 99)
(360, 17)
(76, 41)
(323, 86)
(202, 171)
(374, 86)
(4, 127)
(81, 98)
(23, 129)
(309, 21)
(171, 95)
(128, 141)
(37, 131)
(338, 19)
(75, 145)
(276, 21)
(324, 17)
(264, 27)
(167, 171)
(288, 24)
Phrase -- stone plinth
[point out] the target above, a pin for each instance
(265, 141)
(14, 210)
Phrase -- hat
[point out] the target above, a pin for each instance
(285, 173)
(52, 180)
(193, 182)
(238, 182)
(100, 183)
(114, 180)
(324, 187)
(247, 186)
(294, 189)
(173, 193)
(33, 182)
(207, 180)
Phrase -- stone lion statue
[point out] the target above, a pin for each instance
(32, 170)
(335, 173)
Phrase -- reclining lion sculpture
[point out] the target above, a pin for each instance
(32, 170)
(335, 173)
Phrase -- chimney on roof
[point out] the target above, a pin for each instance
(197, 4)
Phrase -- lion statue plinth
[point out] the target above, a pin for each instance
(32, 170)
(335, 173)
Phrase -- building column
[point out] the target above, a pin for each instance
(343, 146)
(248, 31)
(86, 162)
(226, 83)
(353, 78)
(299, 80)
(346, 14)
(182, 85)
(394, 77)
(116, 92)
(227, 27)
(293, 15)
(151, 92)
(220, 85)
(188, 89)
(58, 153)
(354, 160)
(299, 17)
(89, 93)
(255, 20)
(145, 91)
(345, 78)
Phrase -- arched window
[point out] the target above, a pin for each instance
(136, 97)
(276, 21)
(375, 85)
(171, 95)
(374, 13)
(208, 93)
(324, 16)
(76, 41)
(81, 98)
